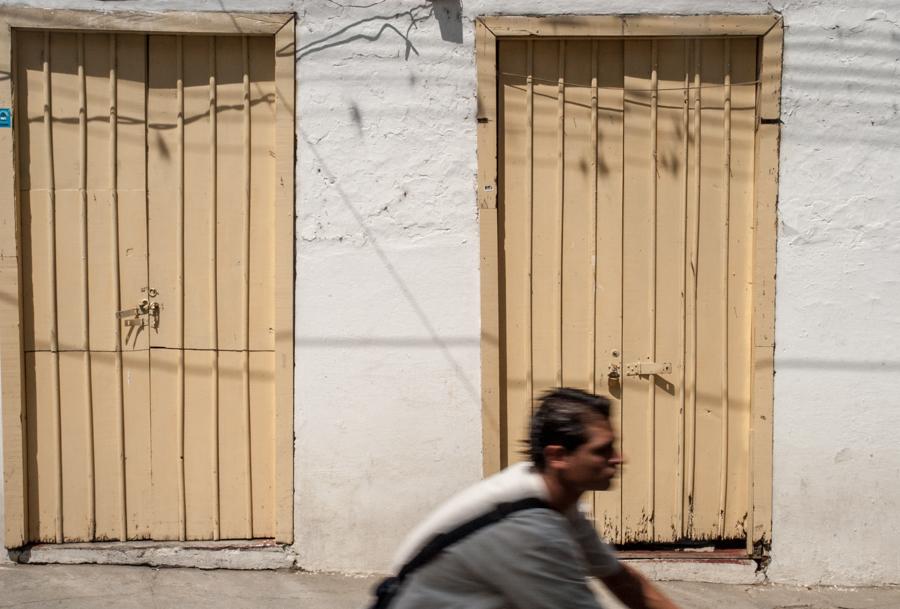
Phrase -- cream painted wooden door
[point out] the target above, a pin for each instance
(147, 172)
(626, 213)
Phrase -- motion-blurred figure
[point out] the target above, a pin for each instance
(518, 538)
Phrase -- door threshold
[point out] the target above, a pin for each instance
(709, 564)
(704, 554)
(243, 554)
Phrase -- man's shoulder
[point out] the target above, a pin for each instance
(531, 528)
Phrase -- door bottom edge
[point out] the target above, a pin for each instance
(241, 554)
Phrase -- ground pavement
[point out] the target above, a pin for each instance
(98, 586)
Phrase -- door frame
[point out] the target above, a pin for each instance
(279, 25)
(769, 29)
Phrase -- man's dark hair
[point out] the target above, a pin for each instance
(561, 419)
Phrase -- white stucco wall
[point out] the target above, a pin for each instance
(387, 331)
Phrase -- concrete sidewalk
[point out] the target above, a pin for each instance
(97, 586)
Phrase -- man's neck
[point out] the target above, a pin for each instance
(560, 496)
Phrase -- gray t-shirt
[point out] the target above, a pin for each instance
(533, 559)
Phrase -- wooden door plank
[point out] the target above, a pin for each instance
(637, 509)
(200, 445)
(70, 267)
(610, 77)
(669, 276)
(34, 202)
(546, 251)
(164, 146)
(740, 278)
(578, 232)
(138, 443)
(199, 210)
(261, 267)
(230, 200)
(691, 285)
(43, 450)
(131, 176)
(165, 469)
(234, 478)
(108, 457)
(102, 272)
(262, 430)
(710, 414)
(77, 471)
(578, 226)
(515, 179)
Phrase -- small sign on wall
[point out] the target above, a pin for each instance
(5, 117)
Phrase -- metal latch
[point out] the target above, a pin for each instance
(137, 316)
(647, 368)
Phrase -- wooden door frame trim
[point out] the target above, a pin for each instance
(769, 30)
(279, 25)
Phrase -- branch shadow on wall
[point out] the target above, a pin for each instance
(434, 338)
(448, 14)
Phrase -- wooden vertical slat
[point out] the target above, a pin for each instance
(593, 166)
(261, 268)
(489, 131)
(690, 440)
(578, 226)
(54, 317)
(213, 282)
(37, 322)
(76, 476)
(514, 235)
(200, 386)
(284, 283)
(726, 203)
(12, 306)
(261, 278)
(578, 231)
(262, 396)
(528, 255)
(680, 427)
(44, 510)
(200, 437)
(560, 214)
(610, 139)
(740, 286)
(670, 276)
(181, 288)
(245, 317)
(86, 288)
(131, 196)
(70, 258)
(637, 509)
(710, 411)
(592, 225)
(652, 297)
(118, 398)
(165, 227)
(233, 433)
(546, 235)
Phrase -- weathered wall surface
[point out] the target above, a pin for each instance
(387, 392)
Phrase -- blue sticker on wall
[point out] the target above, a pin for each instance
(5, 117)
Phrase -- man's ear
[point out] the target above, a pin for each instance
(554, 455)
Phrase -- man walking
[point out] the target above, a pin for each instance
(517, 539)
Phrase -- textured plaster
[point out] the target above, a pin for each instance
(387, 328)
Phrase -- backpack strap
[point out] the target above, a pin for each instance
(388, 588)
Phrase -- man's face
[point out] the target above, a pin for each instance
(592, 466)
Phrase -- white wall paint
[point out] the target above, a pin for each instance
(388, 414)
